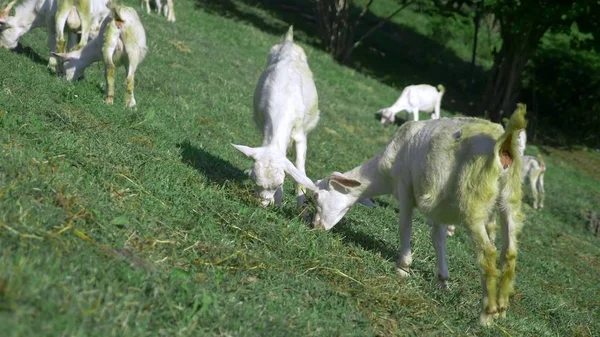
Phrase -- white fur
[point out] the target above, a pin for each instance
(422, 166)
(415, 98)
(124, 44)
(533, 170)
(522, 141)
(32, 14)
(285, 109)
(168, 10)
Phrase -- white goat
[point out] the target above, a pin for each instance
(415, 98)
(454, 171)
(58, 16)
(122, 40)
(533, 170)
(285, 107)
(168, 10)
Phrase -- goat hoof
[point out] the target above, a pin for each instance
(402, 272)
(109, 100)
(320, 228)
(486, 320)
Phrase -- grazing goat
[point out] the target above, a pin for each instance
(122, 40)
(59, 16)
(533, 170)
(285, 108)
(168, 10)
(415, 98)
(457, 170)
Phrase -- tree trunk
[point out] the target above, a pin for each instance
(504, 83)
(476, 21)
(334, 23)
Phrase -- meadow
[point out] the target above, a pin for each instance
(118, 222)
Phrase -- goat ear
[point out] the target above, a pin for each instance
(250, 152)
(62, 56)
(367, 202)
(343, 181)
(298, 176)
(4, 12)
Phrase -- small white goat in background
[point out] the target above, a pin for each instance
(456, 170)
(415, 98)
(285, 108)
(55, 15)
(168, 10)
(122, 40)
(533, 170)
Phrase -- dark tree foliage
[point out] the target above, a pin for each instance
(523, 23)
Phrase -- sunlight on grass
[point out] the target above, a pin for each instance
(132, 223)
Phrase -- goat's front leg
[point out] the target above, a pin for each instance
(438, 237)
(300, 143)
(509, 216)
(52, 61)
(415, 113)
(405, 254)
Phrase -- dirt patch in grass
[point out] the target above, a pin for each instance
(587, 160)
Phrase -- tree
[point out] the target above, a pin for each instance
(523, 24)
(337, 27)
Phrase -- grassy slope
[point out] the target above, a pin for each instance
(117, 222)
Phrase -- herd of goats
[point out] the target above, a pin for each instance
(455, 171)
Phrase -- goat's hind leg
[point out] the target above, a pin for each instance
(509, 219)
(438, 237)
(405, 224)
(486, 257)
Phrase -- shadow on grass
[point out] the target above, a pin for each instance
(349, 235)
(214, 168)
(395, 54)
(398, 121)
(30, 53)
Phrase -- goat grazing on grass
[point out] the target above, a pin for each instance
(457, 170)
(59, 16)
(285, 108)
(533, 170)
(168, 10)
(122, 40)
(415, 98)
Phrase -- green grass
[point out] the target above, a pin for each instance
(141, 223)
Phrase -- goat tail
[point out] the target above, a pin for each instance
(542, 162)
(289, 36)
(441, 89)
(507, 146)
